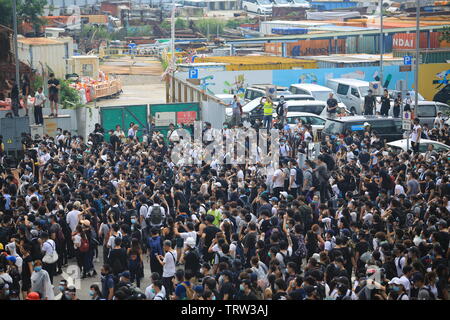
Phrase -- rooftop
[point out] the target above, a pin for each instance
(38, 41)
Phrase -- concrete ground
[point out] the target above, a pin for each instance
(141, 81)
(84, 284)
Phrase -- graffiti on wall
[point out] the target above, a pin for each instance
(236, 87)
(392, 76)
(434, 81)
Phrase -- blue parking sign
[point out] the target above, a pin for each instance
(407, 60)
(193, 73)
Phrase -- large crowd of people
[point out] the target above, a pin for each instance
(358, 222)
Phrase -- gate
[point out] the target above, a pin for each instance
(123, 116)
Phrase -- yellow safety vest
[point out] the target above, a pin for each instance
(268, 109)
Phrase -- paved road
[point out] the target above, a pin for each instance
(84, 284)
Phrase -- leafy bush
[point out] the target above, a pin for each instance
(70, 99)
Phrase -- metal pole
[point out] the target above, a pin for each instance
(172, 27)
(381, 42)
(416, 84)
(16, 50)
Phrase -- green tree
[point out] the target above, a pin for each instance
(445, 34)
(27, 11)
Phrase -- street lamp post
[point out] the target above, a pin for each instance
(416, 82)
(16, 50)
(381, 42)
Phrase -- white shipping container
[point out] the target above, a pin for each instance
(46, 53)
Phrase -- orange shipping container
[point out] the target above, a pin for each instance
(408, 40)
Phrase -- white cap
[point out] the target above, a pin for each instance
(190, 242)
(284, 194)
(218, 184)
(396, 281)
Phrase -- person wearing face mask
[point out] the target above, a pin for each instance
(246, 292)
(62, 287)
(397, 291)
(95, 293)
(268, 112)
(40, 282)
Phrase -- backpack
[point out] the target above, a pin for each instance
(84, 247)
(298, 177)
(301, 251)
(189, 291)
(286, 258)
(155, 216)
(225, 258)
(153, 244)
(240, 256)
(315, 180)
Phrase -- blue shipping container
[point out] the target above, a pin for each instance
(289, 31)
(328, 5)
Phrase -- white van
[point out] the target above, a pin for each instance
(260, 90)
(317, 91)
(351, 92)
(263, 7)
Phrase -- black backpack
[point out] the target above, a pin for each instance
(225, 258)
(287, 258)
(298, 177)
(315, 180)
(155, 216)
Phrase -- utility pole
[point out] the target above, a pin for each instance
(416, 82)
(381, 42)
(16, 50)
(172, 40)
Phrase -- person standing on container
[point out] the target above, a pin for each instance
(369, 103)
(332, 105)
(385, 104)
(53, 91)
(268, 112)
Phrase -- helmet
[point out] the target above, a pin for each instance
(33, 296)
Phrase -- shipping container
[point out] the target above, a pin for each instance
(238, 63)
(316, 47)
(332, 5)
(405, 41)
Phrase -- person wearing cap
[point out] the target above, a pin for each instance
(71, 293)
(397, 290)
(191, 257)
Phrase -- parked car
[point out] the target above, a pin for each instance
(260, 90)
(280, 3)
(263, 7)
(300, 4)
(317, 91)
(316, 122)
(401, 145)
(351, 92)
(387, 128)
(394, 93)
(250, 107)
(427, 111)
